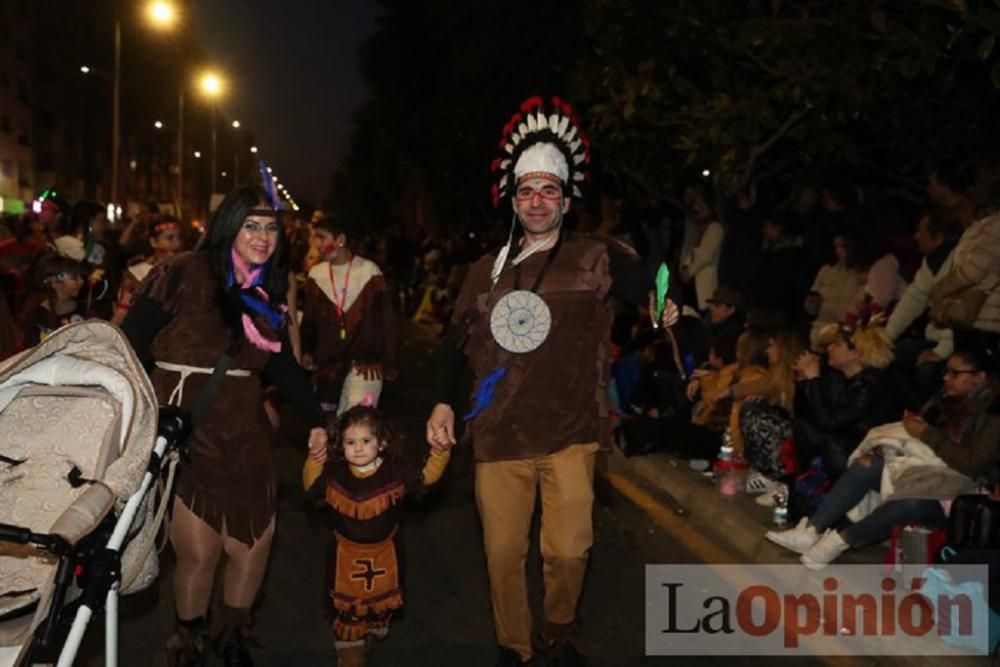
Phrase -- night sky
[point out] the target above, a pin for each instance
(292, 69)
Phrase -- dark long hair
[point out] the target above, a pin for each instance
(225, 225)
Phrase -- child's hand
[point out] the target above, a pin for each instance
(317, 444)
(692, 390)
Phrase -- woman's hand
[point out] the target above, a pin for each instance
(317, 444)
(369, 372)
(807, 366)
(915, 425)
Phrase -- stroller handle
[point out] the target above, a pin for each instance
(52, 543)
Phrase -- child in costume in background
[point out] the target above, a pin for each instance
(365, 484)
(349, 329)
(166, 240)
(55, 302)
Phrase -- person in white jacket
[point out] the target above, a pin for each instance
(702, 246)
(937, 233)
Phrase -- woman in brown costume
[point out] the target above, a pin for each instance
(188, 313)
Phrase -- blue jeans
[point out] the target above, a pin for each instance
(848, 491)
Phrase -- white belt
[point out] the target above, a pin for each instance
(185, 371)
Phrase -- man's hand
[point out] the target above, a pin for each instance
(369, 371)
(671, 314)
(441, 428)
(317, 444)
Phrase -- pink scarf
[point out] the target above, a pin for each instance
(241, 268)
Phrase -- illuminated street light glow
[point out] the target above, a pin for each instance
(84, 69)
(161, 14)
(269, 170)
(223, 174)
(253, 149)
(706, 173)
(236, 124)
(158, 125)
(211, 84)
(197, 154)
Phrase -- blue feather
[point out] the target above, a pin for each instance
(268, 182)
(484, 394)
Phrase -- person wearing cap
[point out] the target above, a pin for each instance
(535, 320)
(725, 312)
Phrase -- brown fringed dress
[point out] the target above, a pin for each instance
(366, 572)
(227, 477)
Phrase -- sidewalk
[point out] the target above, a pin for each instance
(731, 529)
(736, 523)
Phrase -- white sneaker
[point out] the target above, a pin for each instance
(758, 483)
(799, 539)
(825, 551)
(768, 499)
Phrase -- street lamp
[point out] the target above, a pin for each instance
(253, 149)
(211, 86)
(160, 14)
(158, 125)
(85, 69)
(236, 124)
(197, 154)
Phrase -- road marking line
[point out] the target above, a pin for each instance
(700, 545)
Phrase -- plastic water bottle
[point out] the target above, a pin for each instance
(780, 510)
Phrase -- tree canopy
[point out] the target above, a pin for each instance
(778, 92)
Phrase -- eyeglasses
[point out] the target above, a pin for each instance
(955, 372)
(546, 192)
(255, 228)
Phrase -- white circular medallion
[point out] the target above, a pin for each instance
(520, 322)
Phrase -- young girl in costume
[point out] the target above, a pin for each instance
(364, 482)
(349, 329)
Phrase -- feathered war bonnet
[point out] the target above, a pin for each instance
(540, 140)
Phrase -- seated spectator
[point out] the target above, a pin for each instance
(838, 286)
(961, 430)
(751, 356)
(883, 285)
(54, 301)
(725, 313)
(708, 390)
(838, 405)
(937, 233)
(765, 420)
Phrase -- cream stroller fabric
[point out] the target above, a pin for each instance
(79, 399)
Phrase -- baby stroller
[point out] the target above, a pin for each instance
(78, 454)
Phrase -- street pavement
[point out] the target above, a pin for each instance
(447, 619)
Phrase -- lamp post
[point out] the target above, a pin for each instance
(211, 86)
(160, 14)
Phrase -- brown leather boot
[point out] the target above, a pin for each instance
(351, 656)
(231, 635)
(188, 646)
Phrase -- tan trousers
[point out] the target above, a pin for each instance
(505, 496)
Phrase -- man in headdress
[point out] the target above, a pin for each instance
(535, 323)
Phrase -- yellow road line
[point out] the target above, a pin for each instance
(700, 545)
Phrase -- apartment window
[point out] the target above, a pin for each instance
(45, 161)
(22, 175)
(23, 135)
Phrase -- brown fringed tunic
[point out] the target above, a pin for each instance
(556, 395)
(369, 324)
(227, 477)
